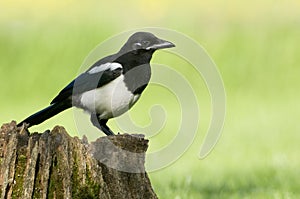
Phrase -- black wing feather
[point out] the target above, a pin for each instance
(86, 82)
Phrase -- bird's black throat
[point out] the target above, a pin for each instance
(136, 69)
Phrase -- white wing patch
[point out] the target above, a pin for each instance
(106, 66)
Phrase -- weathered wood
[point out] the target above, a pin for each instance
(55, 165)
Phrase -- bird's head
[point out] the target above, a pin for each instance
(145, 41)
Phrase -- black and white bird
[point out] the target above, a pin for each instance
(111, 86)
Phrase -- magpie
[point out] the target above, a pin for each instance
(111, 86)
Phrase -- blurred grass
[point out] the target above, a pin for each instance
(254, 44)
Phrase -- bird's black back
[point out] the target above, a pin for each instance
(135, 68)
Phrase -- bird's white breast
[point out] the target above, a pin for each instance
(110, 100)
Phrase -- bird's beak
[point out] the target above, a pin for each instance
(161, 44)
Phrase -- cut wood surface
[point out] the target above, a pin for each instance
(55, 165)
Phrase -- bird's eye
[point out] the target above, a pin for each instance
(146, 43)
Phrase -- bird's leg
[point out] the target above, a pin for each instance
(101, 124)
(105, 128)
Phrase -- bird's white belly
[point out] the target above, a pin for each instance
(110, 100)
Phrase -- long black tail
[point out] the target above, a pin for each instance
(46, 113)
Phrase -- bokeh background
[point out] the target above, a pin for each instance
(255, 45)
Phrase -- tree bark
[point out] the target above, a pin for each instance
(54, 165)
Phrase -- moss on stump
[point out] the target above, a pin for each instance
(54, 165)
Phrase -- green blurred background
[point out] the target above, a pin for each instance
(255, 45)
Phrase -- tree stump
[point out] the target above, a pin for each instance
(54, 165)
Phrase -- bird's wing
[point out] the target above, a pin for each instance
(94, 77)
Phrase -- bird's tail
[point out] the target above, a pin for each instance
(45, 114)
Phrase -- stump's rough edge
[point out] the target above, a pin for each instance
(53, 164)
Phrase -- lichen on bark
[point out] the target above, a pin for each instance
(55, 165)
